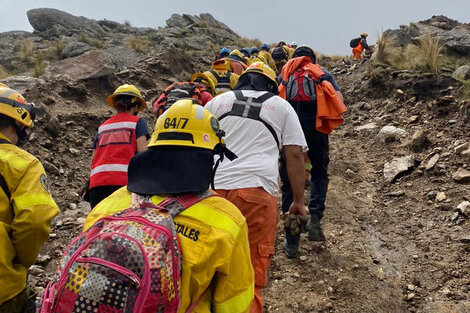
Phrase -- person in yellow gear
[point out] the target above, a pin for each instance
(26, 206)
(222, 76)
(281, 53)
(255, 57)
(267, 56)
(217, 275)
(238, 61)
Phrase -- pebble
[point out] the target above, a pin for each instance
(297, 275)
(415, 256)
(440, 196)
(303, 258)
(411, 287)
(36, 270)
(73, 206)
(410, 296)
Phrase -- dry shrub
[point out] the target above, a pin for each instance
(385, 51)
(82, 37)
(26, 49)
(137, 44)
(243, 42)
(424, 53)
(127, 23)
(3, 72)
(39, 67)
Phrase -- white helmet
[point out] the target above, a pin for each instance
(293, 44)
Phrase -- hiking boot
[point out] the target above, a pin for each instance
(315, 232)
(291, 251)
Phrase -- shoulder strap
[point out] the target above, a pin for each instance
(3, 183)
(4, 186)
(174, 205)
(215, 74)
(241, 107)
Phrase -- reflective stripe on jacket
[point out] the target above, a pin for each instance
(24, 218)
(115, 145)
(216, 254)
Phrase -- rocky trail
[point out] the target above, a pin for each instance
(398, 201)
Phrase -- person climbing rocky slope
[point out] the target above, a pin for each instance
(398, 202)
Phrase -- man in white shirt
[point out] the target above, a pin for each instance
(258, 124)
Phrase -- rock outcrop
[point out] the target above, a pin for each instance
(454, 35)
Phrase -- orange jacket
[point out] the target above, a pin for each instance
(330, 107)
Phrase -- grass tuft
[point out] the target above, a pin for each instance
(137, 44)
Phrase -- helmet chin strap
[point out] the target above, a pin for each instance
(20, 132)
(221, 150)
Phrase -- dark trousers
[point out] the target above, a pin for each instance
(100, 192)
(318, 154)
(24, 302)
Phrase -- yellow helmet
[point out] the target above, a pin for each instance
(187, 124)
(204, 79)
(263, 69)
(13, 104)
(3, 85)
(129, 90)
(364, 35)
(237, 53)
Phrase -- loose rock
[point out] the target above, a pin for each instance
(398, 167)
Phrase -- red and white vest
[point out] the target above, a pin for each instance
(115, 146)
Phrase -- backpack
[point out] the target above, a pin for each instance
(300, 87)
(249, 107)
(126, 262)
(223, 82)
(279, 53)
(177, 91)
(354, 42)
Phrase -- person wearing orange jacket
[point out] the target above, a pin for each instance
(360, 47)
(315, 96)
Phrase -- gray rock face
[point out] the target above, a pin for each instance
(95, 64)
(462, 73)
(53, 23)
(398, 167)
(454, 36)
(22, 83)
(75, 48)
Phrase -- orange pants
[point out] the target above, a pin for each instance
(357, 53)
(261, 213)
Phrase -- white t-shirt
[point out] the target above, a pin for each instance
(253, 143)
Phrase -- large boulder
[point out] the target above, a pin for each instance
(75, 48)
(53, 23)
(94, 64)
(462, 73)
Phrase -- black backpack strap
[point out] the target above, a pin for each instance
(4, 186)
(3, 183)
(243, 108)
(215, 74)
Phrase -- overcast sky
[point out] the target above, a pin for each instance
(326, 25)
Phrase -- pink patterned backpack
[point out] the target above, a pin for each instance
(129, 262)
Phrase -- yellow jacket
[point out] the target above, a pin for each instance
(24, 220)
(269, 59)
(221, 87)
(214, 243)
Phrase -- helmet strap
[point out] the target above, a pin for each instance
(20, 132)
